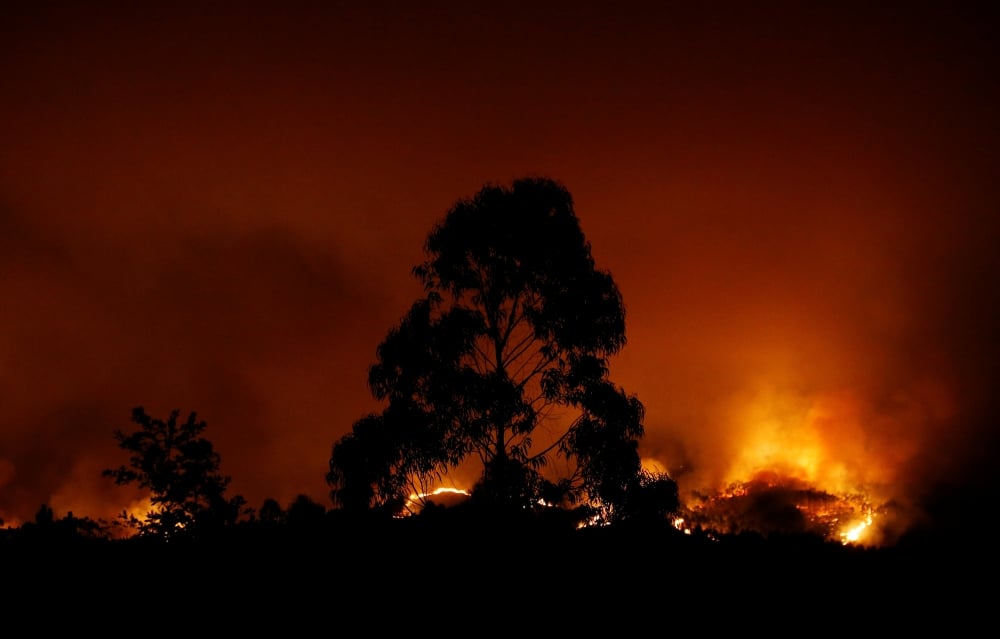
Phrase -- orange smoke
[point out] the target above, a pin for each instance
(832, 463)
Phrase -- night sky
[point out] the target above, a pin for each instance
(215, 207)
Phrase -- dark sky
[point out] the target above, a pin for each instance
(215, 207)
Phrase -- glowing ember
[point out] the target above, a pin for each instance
(771, 503)
(679, 524)
(416, 501)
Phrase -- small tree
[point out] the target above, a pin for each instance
(271, 513)
(180, 468)
(505, 360)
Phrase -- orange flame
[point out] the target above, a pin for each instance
(798, 464)
(416, 501)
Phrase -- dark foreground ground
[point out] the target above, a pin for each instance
(499, 578)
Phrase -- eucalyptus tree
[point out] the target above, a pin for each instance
(502, 363)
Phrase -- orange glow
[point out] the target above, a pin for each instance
(798, 464)
(855, 532)
(140, 509)
(804, 233)
(445, 494)
(783, 433)
(770, 503)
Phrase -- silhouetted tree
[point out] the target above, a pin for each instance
(83, 527)
(504, 360)
(45, 516)
(655, 497)
(305, 514)
(180, 468)
(271, 512)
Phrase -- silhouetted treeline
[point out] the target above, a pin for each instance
(460, 563)
(466, 527)
(516, 320)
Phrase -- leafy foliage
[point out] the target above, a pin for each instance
(180, 468)
(504, 360)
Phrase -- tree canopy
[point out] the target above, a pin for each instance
(180, 468)
(503, 361)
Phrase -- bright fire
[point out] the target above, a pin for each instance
(774, 503)
(796, 466)
(789, 465)
(853, 534)
(416, 501)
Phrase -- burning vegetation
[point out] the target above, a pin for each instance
(441, 496)
(771, 503)
(782, 460)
